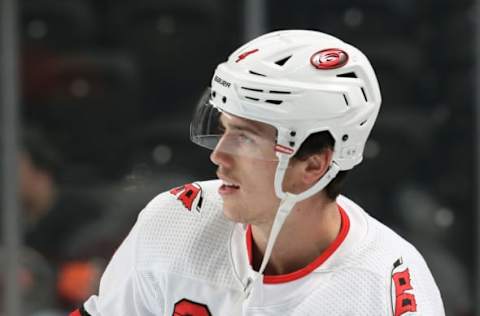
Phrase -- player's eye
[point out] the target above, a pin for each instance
(245, 139)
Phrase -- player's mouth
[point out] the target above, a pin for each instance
(228, 188)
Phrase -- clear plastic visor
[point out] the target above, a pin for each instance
(223, 132)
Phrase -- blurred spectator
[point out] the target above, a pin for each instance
(38, 188)
(52, 212)
(37, 284)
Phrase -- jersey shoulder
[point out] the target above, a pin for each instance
(183, 231)
(391, 265)
(195, 198)
(376, 245)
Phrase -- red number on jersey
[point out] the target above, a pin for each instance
(187, 194)
(186, 307)
(405, 302)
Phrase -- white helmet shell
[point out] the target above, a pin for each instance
(302, 82)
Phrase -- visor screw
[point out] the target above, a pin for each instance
(293, 133)
(345, 137)
(224, 99)
(292, 144)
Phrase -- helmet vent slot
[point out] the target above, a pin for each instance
(252, 89)
(277, 102)
(363, 123)
(364, 94)
(283, 61)
(346, 100)
(280, 92)
(256, 73)
(253, 99)
(348, 75)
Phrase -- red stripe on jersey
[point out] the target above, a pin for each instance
(249, 244)
(79, 312)
(282, 278)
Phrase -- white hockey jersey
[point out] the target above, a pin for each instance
(183, 257)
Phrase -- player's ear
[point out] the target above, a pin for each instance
(316, 165)
(303, 173)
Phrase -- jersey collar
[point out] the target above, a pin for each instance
(327, 253)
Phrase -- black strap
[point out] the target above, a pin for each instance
(83, 312)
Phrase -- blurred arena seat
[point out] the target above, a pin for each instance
(350, 20)
(445, 6)
(176, 44)
(83, 100)
(457, 26)
(397, 88)
(164, 29)
(386, 31)
(58, 24)
(164, 146)
(460, 82)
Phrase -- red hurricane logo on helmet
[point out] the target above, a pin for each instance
(330, 58)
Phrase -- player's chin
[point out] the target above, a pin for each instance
(233, 212)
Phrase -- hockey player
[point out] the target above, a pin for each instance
(287, 115)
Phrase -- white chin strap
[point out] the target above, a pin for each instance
(289, 200)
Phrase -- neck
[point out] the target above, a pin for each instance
(310, 228)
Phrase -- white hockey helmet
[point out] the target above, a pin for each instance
(300, 82)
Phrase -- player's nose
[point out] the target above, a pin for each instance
(221, 157)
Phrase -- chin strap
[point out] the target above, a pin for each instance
(286, 206)
(288, 201)
(317, 187)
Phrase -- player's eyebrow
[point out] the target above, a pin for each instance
(240, 126)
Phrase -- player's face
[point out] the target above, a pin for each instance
(247, 190)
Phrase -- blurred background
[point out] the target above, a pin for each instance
(107, 88)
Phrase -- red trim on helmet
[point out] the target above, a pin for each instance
(283, 149)
(75, 313)
(327, 253)
(244, 55)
